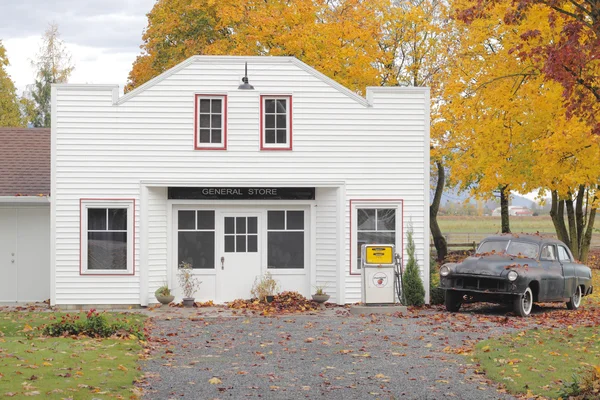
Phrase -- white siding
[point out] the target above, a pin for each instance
(105, 148)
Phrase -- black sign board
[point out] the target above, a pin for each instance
(241, 193)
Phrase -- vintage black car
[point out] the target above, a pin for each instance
(517, 270)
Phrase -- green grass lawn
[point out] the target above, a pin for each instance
(489, 225)
(57, 368)
(539, 361)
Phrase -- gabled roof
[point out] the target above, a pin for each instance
(24, 161)
(241, 59)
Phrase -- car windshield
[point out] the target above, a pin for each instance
(510, 247)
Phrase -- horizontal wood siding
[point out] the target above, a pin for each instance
(105, 150)
(326, 235)
(157, 241)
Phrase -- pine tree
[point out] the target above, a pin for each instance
(413, 285)
(10, 115)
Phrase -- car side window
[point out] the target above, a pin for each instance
(563, 254)
(548, 253)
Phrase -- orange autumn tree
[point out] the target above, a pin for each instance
(510, 126)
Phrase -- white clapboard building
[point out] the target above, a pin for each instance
(289, 173)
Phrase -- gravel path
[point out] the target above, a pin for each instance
(331, 355)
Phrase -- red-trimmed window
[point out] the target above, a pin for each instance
(210, 130)
(107, 237)
(276, 122)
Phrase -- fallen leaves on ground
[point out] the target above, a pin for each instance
(286, 302)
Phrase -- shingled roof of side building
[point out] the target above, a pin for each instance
(24, 162)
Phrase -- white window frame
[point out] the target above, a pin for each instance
(196, 229)
(263, 125)
(374, 204)
(211, 146)
(129, 205)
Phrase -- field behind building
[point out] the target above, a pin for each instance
(468, 229)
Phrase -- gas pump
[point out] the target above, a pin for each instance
(381, 275)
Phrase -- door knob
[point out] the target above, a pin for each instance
(222, 262)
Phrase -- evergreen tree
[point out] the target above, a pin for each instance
(10, 114)
(413, 285)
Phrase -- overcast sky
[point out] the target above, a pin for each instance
(103, 36)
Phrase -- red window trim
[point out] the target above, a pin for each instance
(262, 116)
(196, 104)
(81, 232)
(369, 201)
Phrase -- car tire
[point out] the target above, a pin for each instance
(523, 303)
(575, 300)
(452, 300)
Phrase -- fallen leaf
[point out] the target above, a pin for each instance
(214, 381)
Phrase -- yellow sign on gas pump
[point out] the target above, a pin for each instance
(379, 254)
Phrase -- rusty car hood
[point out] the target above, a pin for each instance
(492, 265)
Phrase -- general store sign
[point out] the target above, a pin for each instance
(241, 193)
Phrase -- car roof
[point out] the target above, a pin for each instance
(524, 237)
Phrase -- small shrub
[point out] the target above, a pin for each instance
(583, 387)
(320, 289)
(263, 287)
(188, 282)
(163, 291)
(95, 325)
(414, 293)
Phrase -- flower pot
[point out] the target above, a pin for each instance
(165, 299)
(188, 302)
(320, 298)
(270, 298)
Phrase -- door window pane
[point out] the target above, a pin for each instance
(285, 250)
(229, 225)
(252, 225)
(197, 248)
(240, 225)
(229, 244)
(276, 220)
(206, 219)
(295, 220)
(240, 244)
(186, 219)
(252, 243)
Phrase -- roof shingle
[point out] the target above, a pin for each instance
(24, 161)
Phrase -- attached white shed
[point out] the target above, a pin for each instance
(289, 177)
(24, 215)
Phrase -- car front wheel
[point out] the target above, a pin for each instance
(575, 300)
(452, 300)
(523, 303)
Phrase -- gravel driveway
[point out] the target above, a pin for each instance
(331, 355)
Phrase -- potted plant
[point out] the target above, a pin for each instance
(188, 282)
(320, 295)
(163, 294)
(264, 289)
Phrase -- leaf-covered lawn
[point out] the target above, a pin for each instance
(57, 368)
(539, 361)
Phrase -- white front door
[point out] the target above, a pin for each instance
(8, 255)
(238, 255)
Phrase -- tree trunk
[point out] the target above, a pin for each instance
(579, 217)
(557, 214)
(587, 237)
(439, 241)
(573, 242)
(504, 209)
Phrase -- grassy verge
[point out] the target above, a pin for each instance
(539, 361)
(57, 368)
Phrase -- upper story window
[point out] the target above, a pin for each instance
(107, 236)
(211, 122)
(276, 122)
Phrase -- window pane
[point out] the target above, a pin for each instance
(281, 106)
(216, 106)
(281, 136)
(206, 219)
(204, 121)
(285, 250)
(270, 121)
(376, 237)
(281, 122)
(386, 220)
(107, 250)
(252, 225)
(240, 225)
(216, 121)
(562, 254)
(216, 136)
(229, 244)
(205, 105)
(252, 243)
(270, 136)
(185, 220)
(365, 219)
(295, 220)
(229, 225)
(204, 135)
(269, 106)
(117, 219)
(96, 219)
(276, 220)
(240, 244)
(196, 248)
